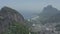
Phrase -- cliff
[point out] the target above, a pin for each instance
(7, 16)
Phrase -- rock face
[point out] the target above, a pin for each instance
(48, 14)
(7, 15)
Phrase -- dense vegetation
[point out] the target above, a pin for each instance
(12, 22)
(57, 27)
(16, 28)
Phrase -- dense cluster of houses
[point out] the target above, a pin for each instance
(43, 29)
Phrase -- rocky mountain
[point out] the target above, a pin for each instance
(49, 14)
(54, 19)
(7, 16)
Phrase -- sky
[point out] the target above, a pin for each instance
(33, 5)
(28, 7)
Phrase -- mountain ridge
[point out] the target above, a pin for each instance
(8, 16)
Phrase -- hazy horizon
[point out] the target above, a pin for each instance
(33, 5)
(28, 7)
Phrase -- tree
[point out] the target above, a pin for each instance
(17, 28)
